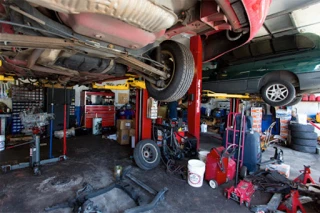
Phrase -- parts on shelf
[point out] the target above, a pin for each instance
(24, 99)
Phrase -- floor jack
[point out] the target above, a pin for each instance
(83, 204)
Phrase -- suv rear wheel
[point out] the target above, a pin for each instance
(278, 93)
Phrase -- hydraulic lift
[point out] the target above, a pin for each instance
(194, 100)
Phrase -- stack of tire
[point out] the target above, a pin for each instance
(303, 138)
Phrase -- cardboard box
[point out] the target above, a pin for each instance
(132, 132)
(124, 124)
(123, 137)
(256, 113)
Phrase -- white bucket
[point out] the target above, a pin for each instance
(196, 170)
(96, 126)
(2, 142)
(204, 127)
(203, 155)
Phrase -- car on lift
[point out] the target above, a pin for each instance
(279, 69)
(85, 41)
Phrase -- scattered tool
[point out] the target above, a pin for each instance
(305, 177)
(82, 202)
(272, 181)
(266, 142)
(277, 158)
(272, 205)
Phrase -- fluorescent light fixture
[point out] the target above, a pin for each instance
(308, 19)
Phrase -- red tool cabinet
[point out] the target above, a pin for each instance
(97, 104)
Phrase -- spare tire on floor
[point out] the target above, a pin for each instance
(147, 154)
(301, 127)
(304, 135)
(303, 142)
(306, 149)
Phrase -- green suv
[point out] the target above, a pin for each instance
(280, 69)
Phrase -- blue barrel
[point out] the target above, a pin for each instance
(252, 151)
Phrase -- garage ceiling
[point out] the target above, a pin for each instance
(289, 17)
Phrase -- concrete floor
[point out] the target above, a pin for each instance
(92, 159)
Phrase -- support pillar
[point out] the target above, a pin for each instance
(194, 92)
(143, 124)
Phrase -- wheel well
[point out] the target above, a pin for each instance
(283, 75)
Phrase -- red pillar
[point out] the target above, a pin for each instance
(146, 125)
(194, 92)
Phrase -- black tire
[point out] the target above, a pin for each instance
(295, 101)
(182, 76)
(304, 135)
(306, 149)
(301, 127)
(147, 154)
(303, 142)
(280, 101)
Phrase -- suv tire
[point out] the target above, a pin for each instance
(278, 93)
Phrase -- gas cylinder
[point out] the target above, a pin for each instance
(318, 117)
(203, 127)
(305, 97)
(312, 97)
(252, 151)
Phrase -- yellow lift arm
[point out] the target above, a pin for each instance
(131, 82)
(6, 78)
(210, 94)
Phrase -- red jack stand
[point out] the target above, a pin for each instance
(292, 203)
(305, 177)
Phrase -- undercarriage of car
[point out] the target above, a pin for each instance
(81, 42)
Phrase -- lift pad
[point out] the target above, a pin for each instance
(6, 78)
(210, 94)
(130, 82)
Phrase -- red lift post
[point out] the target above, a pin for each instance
(195, 89)
(142, 123)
